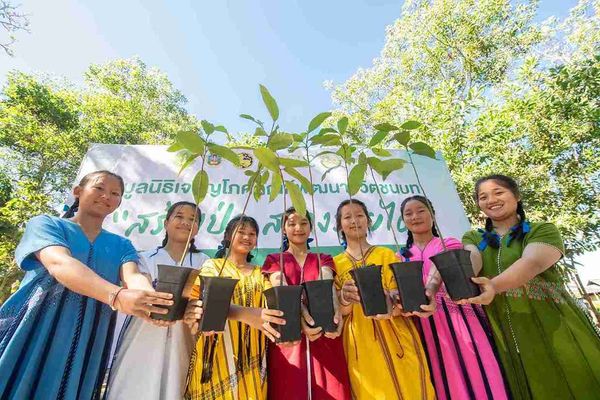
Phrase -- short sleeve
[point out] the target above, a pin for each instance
(128, 252)
(545, 233)
(144, 265)
(327, 261)
(471, 237)
(40, 232)
(270, 265)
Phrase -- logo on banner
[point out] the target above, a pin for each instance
(330, 161)
(214, 159)
(245, 160)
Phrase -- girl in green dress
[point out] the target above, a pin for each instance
(548, 347)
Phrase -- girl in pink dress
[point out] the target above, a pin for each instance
(457, 338)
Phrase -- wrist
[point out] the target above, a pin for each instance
(343, 301)
(112, 297)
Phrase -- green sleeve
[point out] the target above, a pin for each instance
(546, 233)
(471, 237)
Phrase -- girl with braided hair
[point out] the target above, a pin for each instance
(164, 351)
(546, 344)
(457, 338)
(56, 330)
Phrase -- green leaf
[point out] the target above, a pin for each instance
(221, 128)
(356, 178)
(275, 186)
(225, 152)
(390, 165)
(270, 103)
(317, 121)
(200, 186)
(187, 162)
(174, 147)
(301, 178)
(258, 188)
(207, 126)
(292, 162)
(342, 125)
(423, 149)
(326, 140)
(378, 138)
(327, 130)
(250, 117)
(264, 177)
(381, 152)
(249, 173)
(260, 132)
(190, 141)
(403, 137)
(296, 196)
(299, 137)
(411, 125)
(386, 127)
(280, 141)
(267, 158)
(362, 158)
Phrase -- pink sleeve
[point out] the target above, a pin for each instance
(452, 243)
(327, 261)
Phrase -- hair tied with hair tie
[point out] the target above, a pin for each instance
(308, 242)
(405, 252)
(491, 239)
(518, 231)
(66, 207)
(344, 244)
(223, 245)
(285, 243)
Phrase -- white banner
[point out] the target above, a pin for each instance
(152, 184)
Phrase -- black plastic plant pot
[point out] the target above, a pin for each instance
(216, 300)
(456, 271)
(178, 281)
(370, 289)
(286, 299)
(409, 278)
(319, 294)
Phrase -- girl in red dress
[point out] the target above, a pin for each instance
(315, 367)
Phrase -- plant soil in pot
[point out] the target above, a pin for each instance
(178, 281)
(370, 289)
(409, 278)
(216, 300)
(286, 299)
(319, 295)
(456, 271)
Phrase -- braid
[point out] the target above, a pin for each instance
(519, 232)
(492, 239)
(222, 250)
(193, 248)
(71, 211)
(165, 240)
(409, 242)
(434, 231)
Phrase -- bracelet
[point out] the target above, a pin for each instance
(343, 300)
(112, 297)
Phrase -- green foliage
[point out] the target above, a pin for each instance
(497, 93)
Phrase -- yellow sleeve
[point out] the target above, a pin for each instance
(342, 267)
(208, 269)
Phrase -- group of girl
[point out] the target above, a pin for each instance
(529, 340)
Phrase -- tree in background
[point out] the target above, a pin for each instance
(47, 125)
(12, 21)
(498, 93)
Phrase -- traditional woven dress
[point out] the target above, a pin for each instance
(318, 366)
(239, 364)
(385, 357)
(547, 345)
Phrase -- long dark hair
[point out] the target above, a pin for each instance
(286, 215)
(518, 232)
(70, 212)
(338, 216)
(410, 241)
(174, 207)
(238, 220)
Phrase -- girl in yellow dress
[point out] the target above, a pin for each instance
(238, 368)
(384, 353)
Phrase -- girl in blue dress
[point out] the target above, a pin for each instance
(55, 330)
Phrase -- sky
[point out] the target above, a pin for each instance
(217, 52)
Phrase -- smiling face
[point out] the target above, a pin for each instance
(416, 217)
(99, 196)
(180, 222)
(244, 239)
(354, 221)
(297, 229)
(496, 201)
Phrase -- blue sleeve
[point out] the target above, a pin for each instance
(128, 252)
(41, 232)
